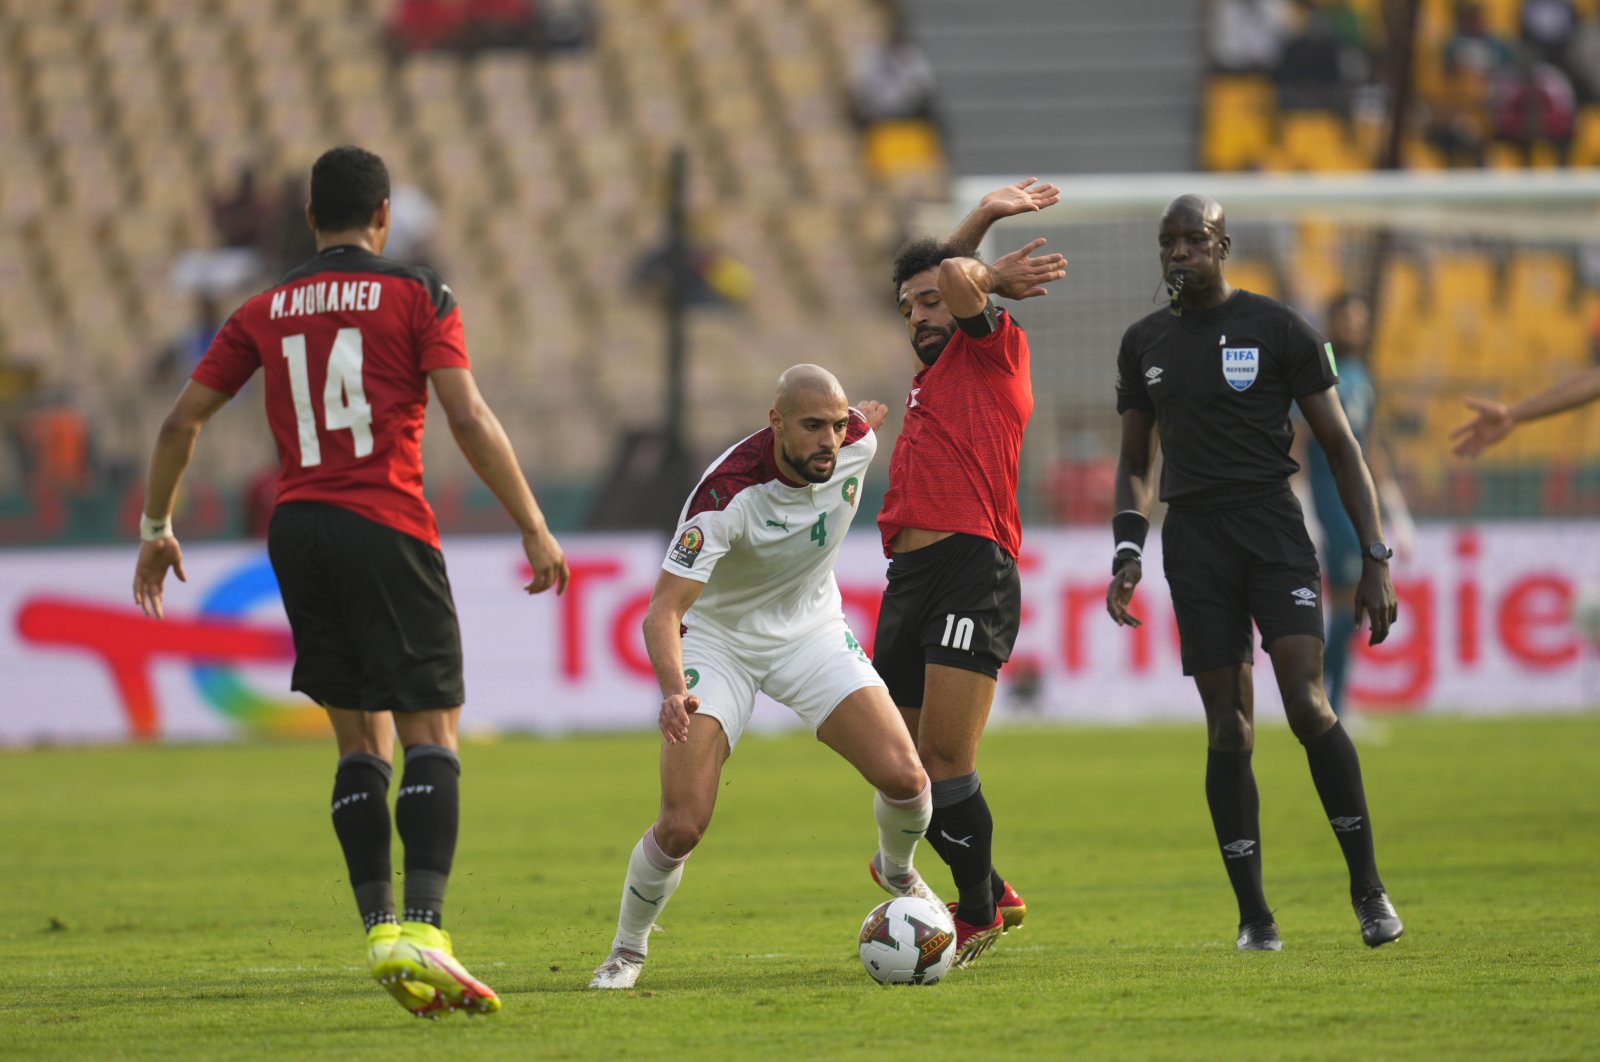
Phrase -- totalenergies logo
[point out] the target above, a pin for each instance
(129, 644)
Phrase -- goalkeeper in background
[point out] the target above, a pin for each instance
(1348, 324)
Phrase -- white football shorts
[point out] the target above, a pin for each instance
(811, 675)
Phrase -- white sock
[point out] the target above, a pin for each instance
(653, 877)
(901, 824)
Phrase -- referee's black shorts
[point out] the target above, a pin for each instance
(1230, 566)
(957, 602)
(370, 608)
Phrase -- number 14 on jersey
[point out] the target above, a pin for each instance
(344, 396)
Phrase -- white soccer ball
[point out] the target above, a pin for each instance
(1586, 613)
(908, 941)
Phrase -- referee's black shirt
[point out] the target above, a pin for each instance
(1220, 383)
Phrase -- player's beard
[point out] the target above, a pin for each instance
(804, 466)
(929, 355)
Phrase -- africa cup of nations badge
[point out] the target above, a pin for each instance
(851, 488)
(687, 548)
(1239, 366)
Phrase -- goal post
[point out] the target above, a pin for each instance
(1484, 283)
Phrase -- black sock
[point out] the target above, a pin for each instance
(428, 813)
(1336, 772)
(962, 832)
(361, 820)
(1236, 816)
(997, 884)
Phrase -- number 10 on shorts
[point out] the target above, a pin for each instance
(957, 632)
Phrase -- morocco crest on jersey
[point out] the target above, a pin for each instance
(1239, 366)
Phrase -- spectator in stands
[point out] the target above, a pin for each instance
(1582, 58)
(1534, 106)
(1547, 26)
(1457, 123)
(1248, 36)
(566, 25)
(893, 102)
(893, 80)
(240, 216)
(465, 26)
(179, 357)
(1474, 46)
(412, 221)
(1311, 75)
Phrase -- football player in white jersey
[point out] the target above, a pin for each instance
(746, 602)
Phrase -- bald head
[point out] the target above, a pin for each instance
(800, 381)
(1198, 208)
(1194, 244)
(809, 417)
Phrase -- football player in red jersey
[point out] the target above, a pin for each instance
(951, 531)
(347, 345)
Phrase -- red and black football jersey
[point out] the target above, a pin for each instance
(345, 343)
(956, 463)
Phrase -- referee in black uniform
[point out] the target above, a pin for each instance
(1215, 374)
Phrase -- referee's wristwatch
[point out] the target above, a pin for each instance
(1379, 552)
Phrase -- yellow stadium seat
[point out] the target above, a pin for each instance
(1238, 121)
(1586, 137)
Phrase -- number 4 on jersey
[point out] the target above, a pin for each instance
(344, 397)
(819, 530)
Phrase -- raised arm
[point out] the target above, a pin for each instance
(1496, 420)
(1374, 592)
(159, 549)
(483, 441)
(663, 640)
(1132, 495)
(1023, 197)
(965, 284)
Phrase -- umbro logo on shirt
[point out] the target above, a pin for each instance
(1306, 597)
(1152, 375)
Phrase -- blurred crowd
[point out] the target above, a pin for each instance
(1486, 76)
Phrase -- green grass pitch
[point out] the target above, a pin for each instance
(174, 901)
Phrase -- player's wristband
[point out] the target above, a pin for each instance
(1128, 529)
(154, 530)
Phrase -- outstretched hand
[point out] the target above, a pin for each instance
(1492, 424)
(1022, 197)
(1119, 595)
(875, 412)
(675, 712)
(1019, 275)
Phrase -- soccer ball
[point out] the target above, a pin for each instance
(908, 941)
(1586, 613)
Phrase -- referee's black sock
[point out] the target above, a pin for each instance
(1336, 772)
(361, 820)
(1236, 816)
(428, 813)
(962, 832)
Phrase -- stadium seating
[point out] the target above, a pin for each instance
(121, 121)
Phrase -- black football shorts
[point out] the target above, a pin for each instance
(1230, 566)
(957, 602)
(370, 608)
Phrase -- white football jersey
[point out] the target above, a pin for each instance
(765, 546)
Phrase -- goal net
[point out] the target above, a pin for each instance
(1485, 284)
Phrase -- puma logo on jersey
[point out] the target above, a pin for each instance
(912, 403)
(784, 525)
